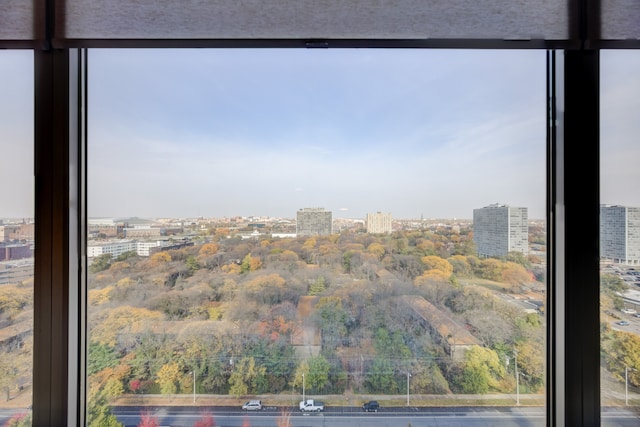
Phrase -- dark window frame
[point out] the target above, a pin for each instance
(573, 360)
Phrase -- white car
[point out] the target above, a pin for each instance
(628, 311)
(252, 405)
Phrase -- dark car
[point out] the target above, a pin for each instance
(371, 406)
(622, 323)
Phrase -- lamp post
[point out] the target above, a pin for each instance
(194, 385)
(408, 376)
(626, 384)
(303, 387)
(515, 361)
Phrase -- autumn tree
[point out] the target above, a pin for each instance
(160, 258)
(148, 420)
(531, 359)
(168, 378)
(515, 274)
(208, 249)
(206, 420)
(376, 249)
(247, 377)
(103, 386)
(622, 350)
(250, 263)
(267, 289)
(461, 266)
(482, 370)
(106, 326)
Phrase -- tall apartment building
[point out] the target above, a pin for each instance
(313, 222)
(500, 229)
(378, 223)
(620, 234)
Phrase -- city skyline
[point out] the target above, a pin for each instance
(220, 133)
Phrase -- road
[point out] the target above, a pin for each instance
(354, 417)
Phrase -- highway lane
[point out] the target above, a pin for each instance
(354, 417)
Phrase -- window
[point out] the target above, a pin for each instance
(619, 229)
(16, 234)
(226, 165)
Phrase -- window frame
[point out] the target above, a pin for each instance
(573, 359)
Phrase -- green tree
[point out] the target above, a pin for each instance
(192, 264)
(100, 263)
(318, 376)
(318, 286)
(101, 356)
(246, 377)
(380, 377)
(482, 370)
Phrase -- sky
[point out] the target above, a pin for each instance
(226, 132)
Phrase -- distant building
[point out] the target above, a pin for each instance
(379, 223)
(13, 232)
(313, 222)
(114, 248)
(620, 234)
(12, 252)
(16, 271)
(500, 229)
(145, 231)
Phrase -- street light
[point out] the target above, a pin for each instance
(303, 387)
(515, 361)
(194, 385)
(626, 384)
(408, 376)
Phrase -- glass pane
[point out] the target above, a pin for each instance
(620, 233)
(291, 225)
(304, 19)
(16, 235)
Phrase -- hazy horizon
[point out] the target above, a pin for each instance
(265, 132)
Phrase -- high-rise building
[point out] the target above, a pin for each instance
(500, 229)
(313, 222)
(379, 223)
(620, 234)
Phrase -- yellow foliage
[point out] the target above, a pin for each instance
(376, 249)
(215, 313)
(168, 376)
(232, 268)
(433, 262)
(289, 256)
(254, 264)
(272, 281)
(309, 244)
(160, 258)
(208, 249)
(126, 282)
(431, 276)
(327, 249)
(100, 296)
(119, 265)
(115, 321)
(13, 298)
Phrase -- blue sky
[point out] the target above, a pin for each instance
(433, 133)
